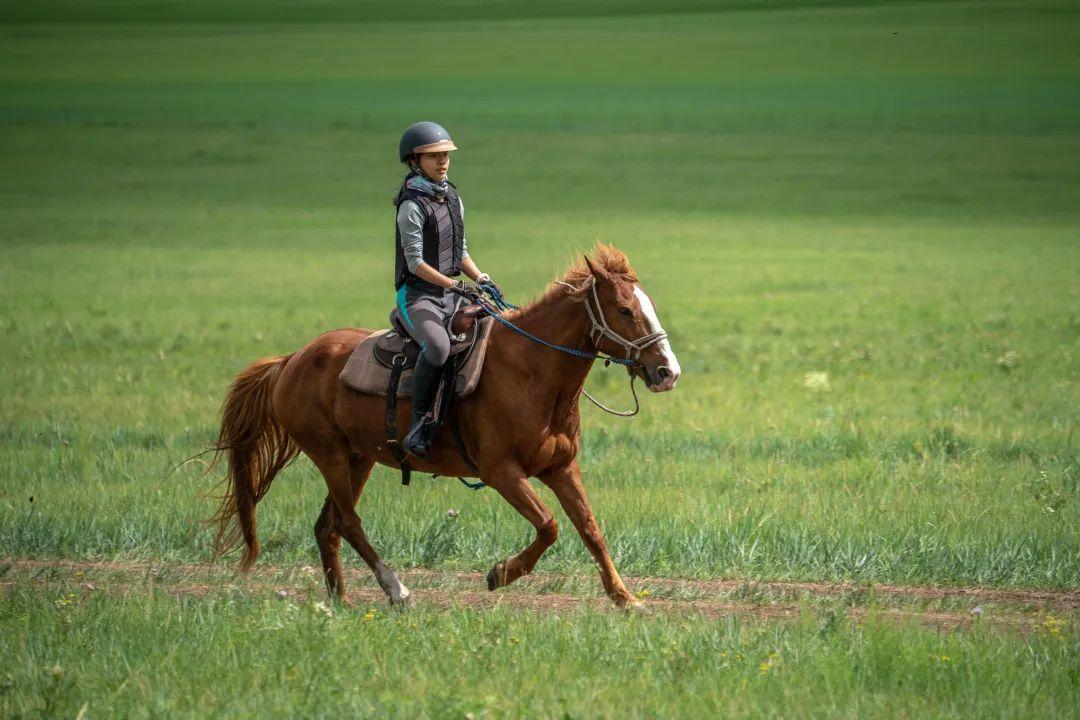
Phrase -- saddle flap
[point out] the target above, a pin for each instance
(392, 343)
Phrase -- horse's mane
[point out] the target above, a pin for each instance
(606, 258)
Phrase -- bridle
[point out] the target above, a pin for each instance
(600, 329)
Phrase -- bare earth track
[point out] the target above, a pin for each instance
(944, 607)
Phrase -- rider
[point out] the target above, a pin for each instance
(431, 250)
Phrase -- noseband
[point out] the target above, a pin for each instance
(600, 329)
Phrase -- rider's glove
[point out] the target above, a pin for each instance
(465, 290)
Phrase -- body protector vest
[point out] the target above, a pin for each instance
(444, 232)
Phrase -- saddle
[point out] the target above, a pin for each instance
(382, 364)
(368, 368)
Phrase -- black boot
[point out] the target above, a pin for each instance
(425, 384)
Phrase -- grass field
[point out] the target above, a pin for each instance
(887, 195)
(237, 652)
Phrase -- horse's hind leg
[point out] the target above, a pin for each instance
(326, 527)
(515, 488)
(334, 464)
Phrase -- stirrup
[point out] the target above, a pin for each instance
(418, 441)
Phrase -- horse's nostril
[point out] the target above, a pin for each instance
(663, 372)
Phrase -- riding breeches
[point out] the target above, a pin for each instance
(427, 318)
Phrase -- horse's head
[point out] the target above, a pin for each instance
(630, 316)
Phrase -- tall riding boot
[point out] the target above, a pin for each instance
(425, 384)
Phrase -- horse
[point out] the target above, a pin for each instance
(522, 421)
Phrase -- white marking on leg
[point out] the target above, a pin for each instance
(388, 581)
(670, 361)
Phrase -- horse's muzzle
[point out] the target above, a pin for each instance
(662, 379)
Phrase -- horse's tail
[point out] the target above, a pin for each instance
(257, 448)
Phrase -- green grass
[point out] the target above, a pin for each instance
(229, 655)
(928, 461)
(885, 194)
(180, 200)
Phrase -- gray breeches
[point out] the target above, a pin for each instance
(427, 317)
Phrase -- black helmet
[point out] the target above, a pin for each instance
(424, 137)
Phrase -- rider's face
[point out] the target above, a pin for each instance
(435, 165)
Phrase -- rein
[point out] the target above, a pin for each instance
(600, 328)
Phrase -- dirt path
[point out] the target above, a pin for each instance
(946, 607)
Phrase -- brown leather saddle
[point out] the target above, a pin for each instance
(463, 332)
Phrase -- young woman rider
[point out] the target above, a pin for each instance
(431, 251)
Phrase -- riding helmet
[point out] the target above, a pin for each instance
(424, 137)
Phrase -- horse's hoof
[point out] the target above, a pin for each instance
(400, 597)
(633, 606)
(402, 602)
(493, 577)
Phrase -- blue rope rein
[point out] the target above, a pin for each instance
(497, 297)
(501, 304)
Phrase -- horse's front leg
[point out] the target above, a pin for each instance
(510, 481)
(565, 481)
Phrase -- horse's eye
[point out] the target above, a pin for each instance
(626, 312)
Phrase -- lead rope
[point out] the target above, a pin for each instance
(619, 413)
(502, 304)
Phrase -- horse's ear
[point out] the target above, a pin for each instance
(597, 273)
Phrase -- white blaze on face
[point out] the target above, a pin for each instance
(653, 322)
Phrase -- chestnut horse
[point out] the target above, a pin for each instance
(522, 421)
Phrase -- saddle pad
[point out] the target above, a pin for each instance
(365, 374)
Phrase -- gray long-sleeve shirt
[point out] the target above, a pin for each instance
(410, 222)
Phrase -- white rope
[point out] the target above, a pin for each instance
(620, 413)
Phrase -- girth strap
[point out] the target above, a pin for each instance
(455, 427)
(391, 420)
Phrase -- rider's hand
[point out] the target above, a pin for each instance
(485, 279)
(465, 290)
